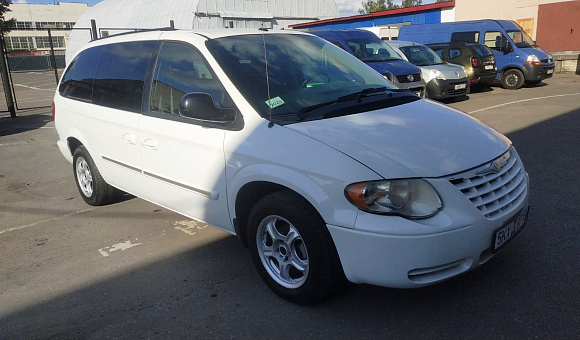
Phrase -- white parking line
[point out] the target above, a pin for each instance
(44, 221)
(524, 100)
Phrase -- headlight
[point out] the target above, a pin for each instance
(412, 198)
(437, 74)
(533, 60)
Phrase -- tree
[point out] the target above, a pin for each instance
(372, 6)
(6, 25)
(411, 3)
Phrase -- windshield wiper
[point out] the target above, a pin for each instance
(361, 94)
(307, 110)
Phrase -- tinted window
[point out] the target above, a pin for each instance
(77, 82)
(454, 53)
(439, 51)
(465, 36)
(482, 50)
(121, 73)
(180, 70)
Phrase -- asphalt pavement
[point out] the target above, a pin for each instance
(133, 270)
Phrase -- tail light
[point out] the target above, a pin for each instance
(53, 117)
(474, 62)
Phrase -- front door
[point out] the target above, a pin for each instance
(182, 158)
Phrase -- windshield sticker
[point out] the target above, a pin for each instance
(275, 102)
(313, 84)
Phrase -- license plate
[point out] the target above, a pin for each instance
(504, 234)
(550, 71)
(460, 86)
(489, 67)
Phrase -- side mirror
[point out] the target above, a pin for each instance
(201, 106)
(508, 48)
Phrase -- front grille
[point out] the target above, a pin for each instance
(452, 91)
(495, 194)
(403, 78)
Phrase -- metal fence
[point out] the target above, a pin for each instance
(35, 60)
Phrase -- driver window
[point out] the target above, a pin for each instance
(180, 70)
(495, 41)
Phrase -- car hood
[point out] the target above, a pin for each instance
(418, 139)
(396, 67)
(450, 71)
(540, 53)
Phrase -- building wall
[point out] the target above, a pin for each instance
(32, 21)
(559, 25)
(524, 12)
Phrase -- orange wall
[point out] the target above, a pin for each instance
(559, 26)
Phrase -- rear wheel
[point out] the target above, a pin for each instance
(512, 79)
(92, 187)
(292, 249)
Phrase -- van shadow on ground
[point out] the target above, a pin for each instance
(529, 290)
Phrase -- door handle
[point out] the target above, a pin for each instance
(149, 143)
(129, 138)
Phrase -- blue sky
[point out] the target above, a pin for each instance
(345, 7)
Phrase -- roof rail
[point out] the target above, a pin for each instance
(134, 30)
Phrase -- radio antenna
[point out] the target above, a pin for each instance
(270, 124)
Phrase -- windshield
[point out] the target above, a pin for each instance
(421, 55)
(521, 39)
(370, 50)
(303, 72)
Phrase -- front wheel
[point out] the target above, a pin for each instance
(512, 79)
(92, 187)
(292, 249)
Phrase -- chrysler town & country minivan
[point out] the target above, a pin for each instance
(320, 166)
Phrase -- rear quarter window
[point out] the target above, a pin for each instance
(482, 50)
(77, 81)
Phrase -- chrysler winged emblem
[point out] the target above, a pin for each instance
(495, 166)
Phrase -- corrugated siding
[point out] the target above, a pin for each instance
(426, 17)
(111, 14)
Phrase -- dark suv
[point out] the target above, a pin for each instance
(477, 59)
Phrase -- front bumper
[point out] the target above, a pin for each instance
(538, 72)
(392, 251)
(440, 88)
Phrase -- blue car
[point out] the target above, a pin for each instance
(519, 60)
(370, 49)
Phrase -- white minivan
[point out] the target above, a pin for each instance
(316, 162)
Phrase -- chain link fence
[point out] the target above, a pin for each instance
(36, 60)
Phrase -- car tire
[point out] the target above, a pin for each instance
(512, 79)
(293, 250)
(91, 185)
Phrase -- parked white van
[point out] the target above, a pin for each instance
(316, 162)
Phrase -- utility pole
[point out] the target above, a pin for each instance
(6, 79)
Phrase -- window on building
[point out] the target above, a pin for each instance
(24, 24)
(527, 25)
(20, 43)
(44, 42)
